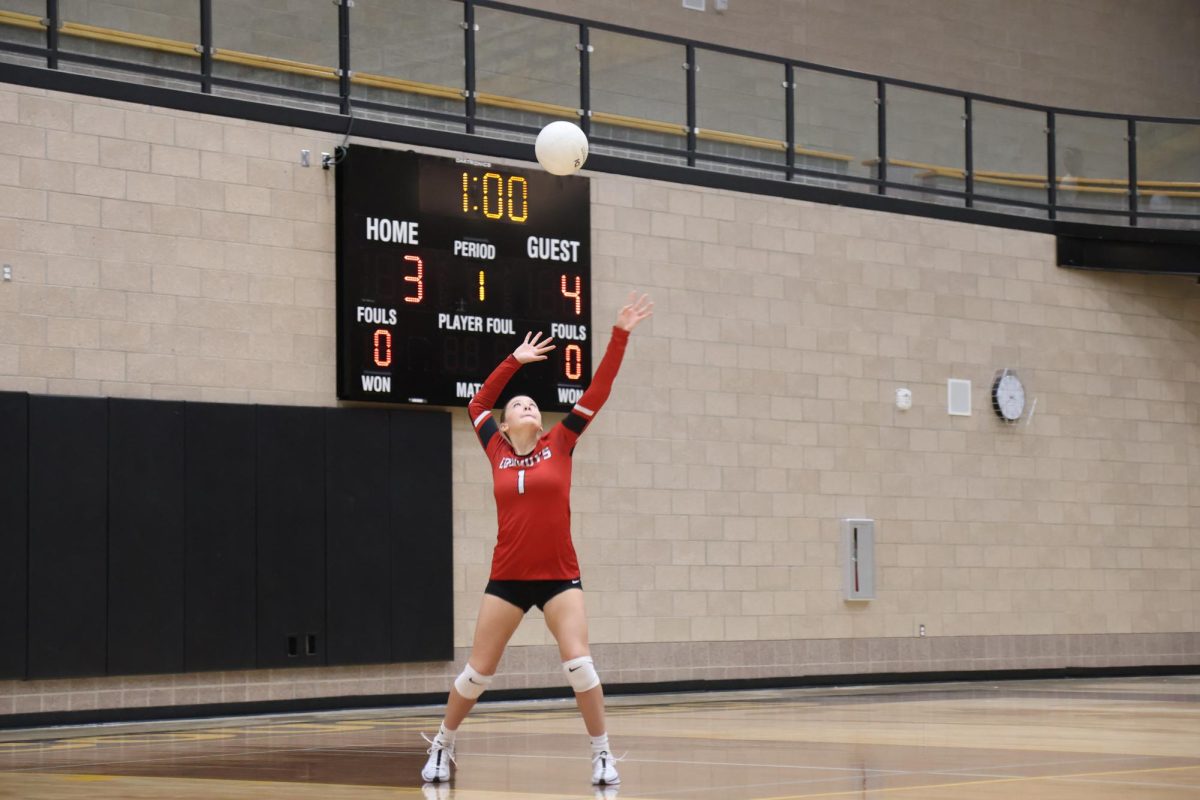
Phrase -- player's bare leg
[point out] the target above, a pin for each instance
(567, 619)
(498, 620)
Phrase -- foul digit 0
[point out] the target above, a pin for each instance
(382, 340)
(573, 353)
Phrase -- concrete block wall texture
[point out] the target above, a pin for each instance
(163, 254)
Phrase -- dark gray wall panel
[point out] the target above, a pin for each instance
(14, 499)
(220, 555)
(422, 537)
(68, 536)
(145, 537)
(291, 536)
(357, 536)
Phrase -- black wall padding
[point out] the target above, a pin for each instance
(219, 627)
(145, 537)
(357, 536)
(14, 491)
(291, 536)
(422, 552)
(68, 536)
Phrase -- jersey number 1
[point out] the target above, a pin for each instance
(520, 481)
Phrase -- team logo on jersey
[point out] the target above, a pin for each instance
(526, 461)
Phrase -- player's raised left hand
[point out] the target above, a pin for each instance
(534, 348)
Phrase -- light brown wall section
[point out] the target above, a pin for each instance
(163, 254)
(1100, 55)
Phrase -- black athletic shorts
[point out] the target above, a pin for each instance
(527, 594)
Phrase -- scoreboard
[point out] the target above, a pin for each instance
(444, 264)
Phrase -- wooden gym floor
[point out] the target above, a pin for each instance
(1133, 739)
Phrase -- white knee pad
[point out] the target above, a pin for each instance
(470, 684)
(581, 673)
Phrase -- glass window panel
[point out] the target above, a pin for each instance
(36, 9)
(638, 92)
(408, 53)
(301, 33)
(178, 20)
(526, 69)
(24, 28)
(1009, 155)
(837, 126)
(1092, 162)
(166, 32)
(926, 143)
(740, 107)
(1168, 171)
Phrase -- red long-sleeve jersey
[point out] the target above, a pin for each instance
(533, 491)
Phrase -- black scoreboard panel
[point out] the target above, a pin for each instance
(444, 264)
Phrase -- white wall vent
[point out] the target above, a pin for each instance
(958, 397)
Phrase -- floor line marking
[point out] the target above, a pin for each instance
(860, 792)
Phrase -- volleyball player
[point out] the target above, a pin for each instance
(534, 561)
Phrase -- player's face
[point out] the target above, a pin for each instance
(522, 411)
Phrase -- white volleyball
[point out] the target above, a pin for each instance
(561, 148)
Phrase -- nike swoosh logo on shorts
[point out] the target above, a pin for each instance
(575, 581)
(572, 669)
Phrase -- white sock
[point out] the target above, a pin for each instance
(600, 743)
(446, 736)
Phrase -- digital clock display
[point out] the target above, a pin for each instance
(444, 264)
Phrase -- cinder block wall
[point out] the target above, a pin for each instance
(162, 254)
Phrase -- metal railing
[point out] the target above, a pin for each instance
(499, 70)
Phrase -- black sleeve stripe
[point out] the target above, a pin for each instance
(575, 423)
(486, 431)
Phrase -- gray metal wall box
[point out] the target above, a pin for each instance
(858, 559)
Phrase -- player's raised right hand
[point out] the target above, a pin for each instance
(534, 348)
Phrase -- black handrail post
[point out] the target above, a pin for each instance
(206, 46)
(1051, 167)
(344, 54)
(969, 152)
(469, 59)
(585, 79)
(690, 66)
(789, 88)
(52, 23)
(881, 170)
(1131, 138)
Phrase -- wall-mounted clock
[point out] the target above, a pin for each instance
(1008, 396)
